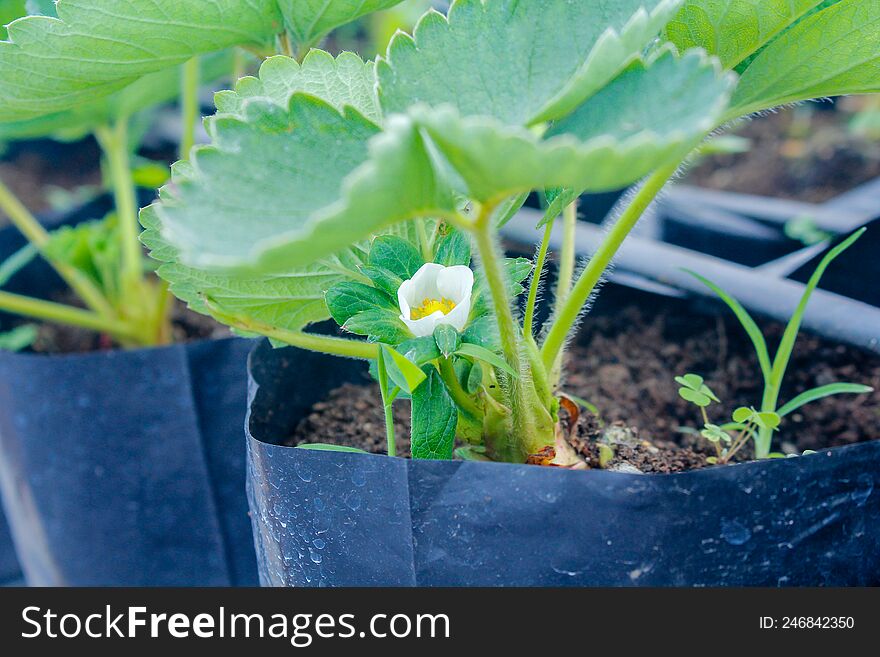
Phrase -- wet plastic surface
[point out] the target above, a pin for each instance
(336, 519)
(124, 468)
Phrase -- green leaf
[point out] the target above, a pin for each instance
(653, 113)
(18, 338)
(831, 53)
(145, 93)
(421, 351)
(694, 397)
(342, 81)
(280, 169)
(489, 357)
(383, 279)
(397, 255)
(713, 433)
(347, 299)
(290, 172)
(470, 375)
(309, 20)
(519, 62)
(380, 325)
(325, 447)
(453, 249)
(745, 319)
(822, 392)
(767, 420)
(291, 300)
(482, 331)
(515, 271)
(434, 420)
(472, 453)
(9, 11)
(405, 374)
(559, 201)
(692, 381)
(447, 339)
(733, 29)
(97, 47)
(742, 415)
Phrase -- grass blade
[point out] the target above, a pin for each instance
(822, 392)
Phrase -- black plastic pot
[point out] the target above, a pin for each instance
(336, 519)
(125, 468)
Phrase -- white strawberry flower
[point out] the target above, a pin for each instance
(436, 295)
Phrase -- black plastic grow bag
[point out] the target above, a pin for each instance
(125, 468)
(335, 519)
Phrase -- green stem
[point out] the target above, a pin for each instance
(535, 283)
(566, 253)
(63, 314)
(458, 394)
(37, 235)
(322, 343)
(114, 143)
(387, 404)
(189, 106)
(490, 260)
(239, 64)
(424, 241)
(568, 314)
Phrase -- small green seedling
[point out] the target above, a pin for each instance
(774, 370)
(729, 438)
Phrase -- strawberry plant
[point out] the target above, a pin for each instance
(373, 192)
(73, 68)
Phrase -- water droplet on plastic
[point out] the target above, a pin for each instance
(316, 557)
(861, 494)
(319, 543)
(303, 471)
(358, 478)
(734, 532)
(353, 501)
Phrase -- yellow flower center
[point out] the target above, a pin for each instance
(429, 306)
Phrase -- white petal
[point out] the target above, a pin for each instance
(425, 326)
(454, 283)
(404, 296)
(424, 284)
(458, 316)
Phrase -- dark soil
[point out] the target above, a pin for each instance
(624, 364)
(31, 173)
(800, 153)
(352, 415)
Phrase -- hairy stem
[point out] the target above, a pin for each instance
(63, 314)
(531, 427)
(568, 313)
(321, 343)
(37, 235)
(114, 143)
(189, 106)
(567, 253)
(490, 260)
(535, 283)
